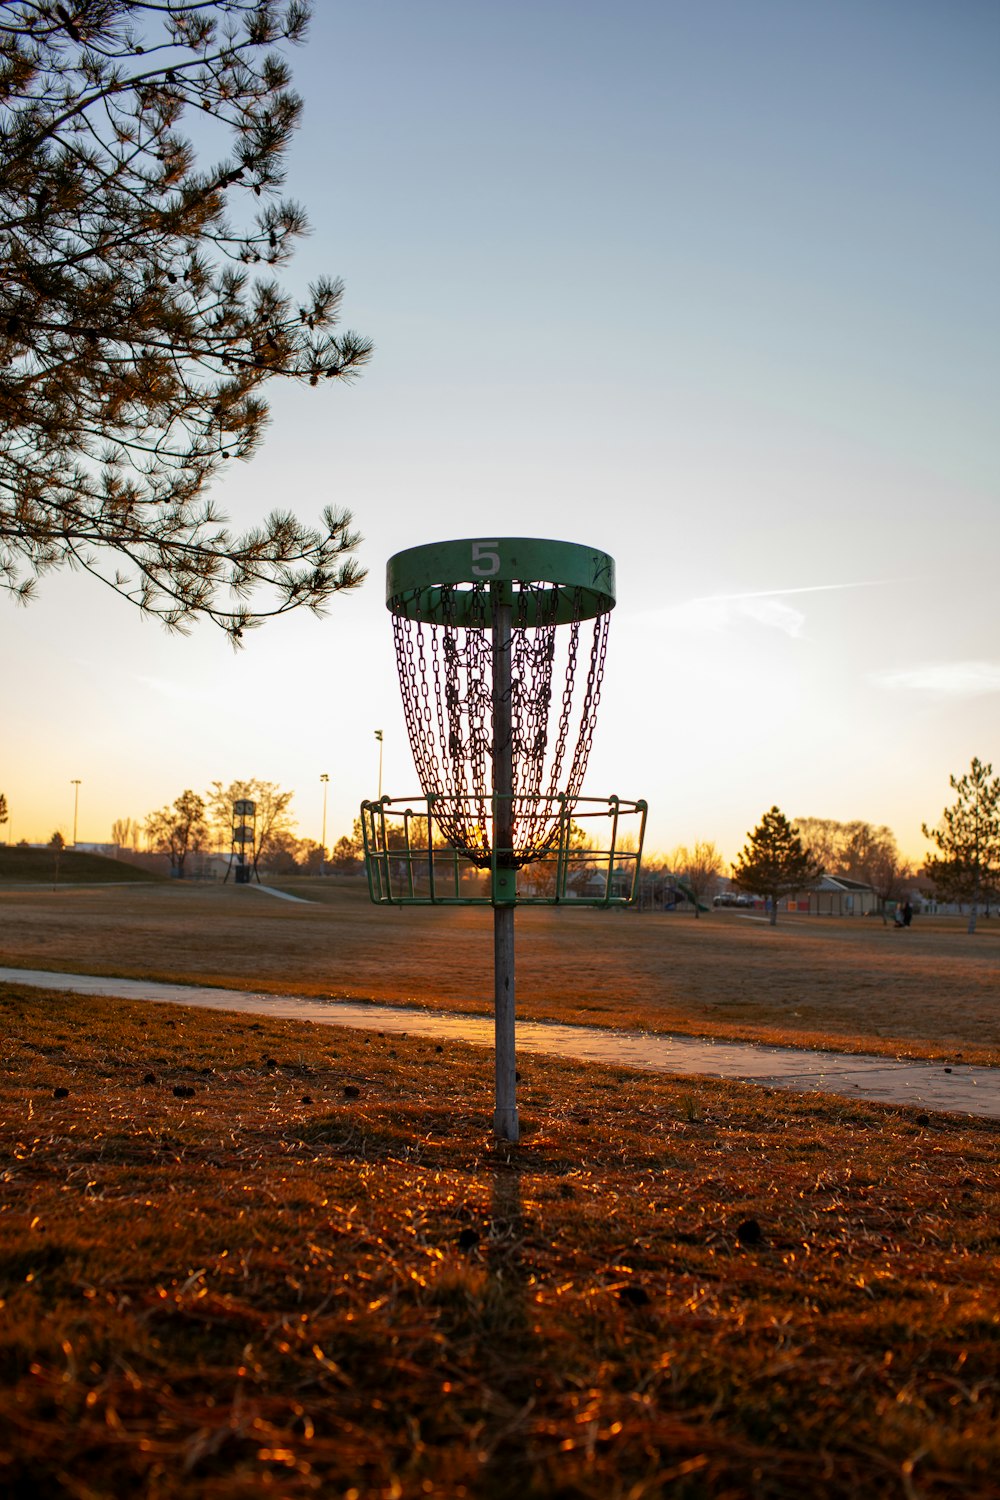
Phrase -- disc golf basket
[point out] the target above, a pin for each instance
(500, 704)
(243, 841)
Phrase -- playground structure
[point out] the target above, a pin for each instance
(501, 820)
(243, 841)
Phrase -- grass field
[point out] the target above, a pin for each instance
(244, 1258)
(39, 867)
(849, 984)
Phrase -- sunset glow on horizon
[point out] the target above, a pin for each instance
(710, 288)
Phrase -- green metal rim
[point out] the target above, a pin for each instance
(579, 581)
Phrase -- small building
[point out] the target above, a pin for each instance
(837, 896)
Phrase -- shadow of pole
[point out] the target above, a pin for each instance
(510, 1347)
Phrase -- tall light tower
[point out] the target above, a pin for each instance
(75, 784)
(378, 736)
(322, 857)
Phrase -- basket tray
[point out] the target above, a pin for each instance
(593, 859)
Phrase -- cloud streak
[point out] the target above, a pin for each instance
(809, 588)
(947, 679)
(766, 608)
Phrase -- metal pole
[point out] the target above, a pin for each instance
(322, 858)
(76, 806)
(505, 1124)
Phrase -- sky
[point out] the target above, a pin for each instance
(711, 287)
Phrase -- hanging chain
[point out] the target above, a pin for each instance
(592, 697)
(446, 678)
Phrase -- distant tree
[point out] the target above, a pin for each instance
(137, 332)
(887, 872)
(284, 854)
(179, 830)
(122, 832)
(398, 832)
(699, 869)
(4, 814)
(865, 845)
(860, 851)
(968, 837)
(775, 863)
(273, 819)
(827, 839)
(311, 857)
(346, 856)
(57, 844)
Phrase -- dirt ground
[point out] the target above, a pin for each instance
(847, 983)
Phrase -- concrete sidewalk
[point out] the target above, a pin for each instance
(954, 1087)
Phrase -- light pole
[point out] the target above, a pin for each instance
(75, 784)
(322, 857)
(378, 736)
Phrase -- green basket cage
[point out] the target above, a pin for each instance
(593, 858)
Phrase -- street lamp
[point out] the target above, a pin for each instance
(75, 783)
(378, 736)
(322, 856)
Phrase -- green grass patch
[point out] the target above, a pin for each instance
(312, 1272)
(38, 867)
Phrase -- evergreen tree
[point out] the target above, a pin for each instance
(139, 314)
(968, 837)
(774, 863)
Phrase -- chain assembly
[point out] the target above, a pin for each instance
(446, 674)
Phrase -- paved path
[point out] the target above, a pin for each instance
(270, 890)
(957, 1087)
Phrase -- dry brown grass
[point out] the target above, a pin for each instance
(854, 985)
(312, 1273)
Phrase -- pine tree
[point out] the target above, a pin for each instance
(139, 315)
(775, 863)
(968, 836)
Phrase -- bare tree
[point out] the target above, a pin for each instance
(699, 869)
(273, 818)
(122, 833)
(826, 838)
(860, 851)
(179, 830)
(886, 872)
